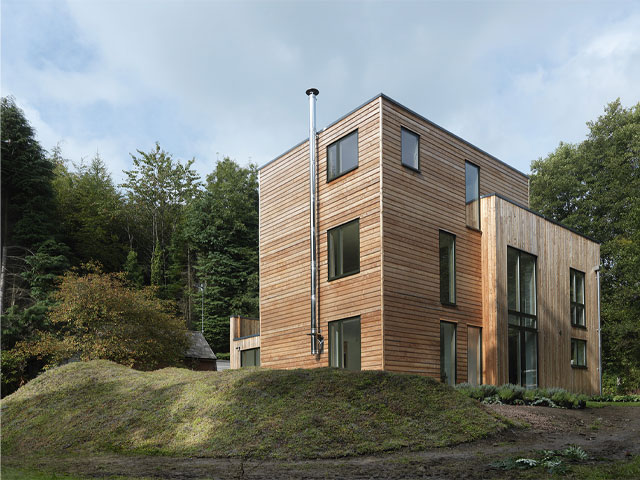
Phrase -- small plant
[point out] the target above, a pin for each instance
(574, 452)
(509, 393)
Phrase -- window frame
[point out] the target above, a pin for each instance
(477, 167)
(329, 259)
(521, 328)
(579, 341)
(455, 284)
(576, 305)
(410, 132)
(254, 350)
(455, 352)
(335, 324)
(344, 172)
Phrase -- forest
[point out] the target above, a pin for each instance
(94, 269)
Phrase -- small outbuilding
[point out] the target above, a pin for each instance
(199, 355)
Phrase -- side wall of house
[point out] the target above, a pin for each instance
(284, 247)
(557, 249)
(416, 205)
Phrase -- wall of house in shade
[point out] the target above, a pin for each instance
(557, 251)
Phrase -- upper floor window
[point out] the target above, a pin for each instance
(344, 250)
(410, 149)
(577, 298)
(342, 156)
(447, 268)
(472, 176)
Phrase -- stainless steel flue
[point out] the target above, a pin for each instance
(312, 93)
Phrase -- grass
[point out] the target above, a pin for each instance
(591, 404)
(11, 473)
(99, 407)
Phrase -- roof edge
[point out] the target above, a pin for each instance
(413, 112)
(555, 222)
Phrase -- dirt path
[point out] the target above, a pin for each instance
(604, 433)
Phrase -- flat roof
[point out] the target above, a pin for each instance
(421, 117)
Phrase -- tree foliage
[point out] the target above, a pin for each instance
(98, 315)
(594, 187)
(222, 227)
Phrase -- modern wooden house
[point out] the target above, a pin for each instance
(428, 260)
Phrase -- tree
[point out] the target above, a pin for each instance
(159, 190)
(132, 269)
(594, 187)
(222, 227)
(90, 212)
(98, 315)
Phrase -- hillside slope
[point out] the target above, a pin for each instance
(100, 406)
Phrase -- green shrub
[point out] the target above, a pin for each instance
(509, 393)
(488, 390)
(471, 391)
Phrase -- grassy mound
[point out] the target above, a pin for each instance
(100, 406)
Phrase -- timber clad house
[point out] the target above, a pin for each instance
(429, 261)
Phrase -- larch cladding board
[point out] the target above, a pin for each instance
(284, 247)
(557, 249)
(415, 206)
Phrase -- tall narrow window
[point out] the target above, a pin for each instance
(577, 298)
(342, 156)
(447, 268)
(344, 343)
(578, 353)
(250, 357)
(474, 355)
(472, 175)
(344, 250)
(523, 324)
(410, 149)
(448, 353)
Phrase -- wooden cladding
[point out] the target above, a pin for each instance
(557, 250)
(410, 181)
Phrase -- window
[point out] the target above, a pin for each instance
(448, 353)
(447, 268)
(344, 250)
(472, 176)
(578, 353)
(250, 357)
(523, 323)
(410, 149)
(577, 298)
(342, 156)
(474, 355)
(344, 343)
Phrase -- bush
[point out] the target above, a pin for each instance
(516, 395)
(509, 393)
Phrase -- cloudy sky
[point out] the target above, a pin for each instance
(209, 79)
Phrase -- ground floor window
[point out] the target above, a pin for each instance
(250, 357)
(523, 356)
(448, 353)
(344, 343)
(474, 355)
(578, 353)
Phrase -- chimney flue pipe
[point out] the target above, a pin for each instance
(312, 93)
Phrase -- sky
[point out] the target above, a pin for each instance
(209, 79)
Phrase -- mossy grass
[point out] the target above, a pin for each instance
(100, 406)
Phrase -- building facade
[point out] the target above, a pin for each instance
(429, 261)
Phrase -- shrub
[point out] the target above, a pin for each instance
(509, 393)
(471, 391)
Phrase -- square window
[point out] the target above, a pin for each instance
(578, 353)
(342, 156)
(410, 149)
(344, 250)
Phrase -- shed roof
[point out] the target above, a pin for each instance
(199, 347)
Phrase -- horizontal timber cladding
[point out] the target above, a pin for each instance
(415, 206)
(284, 247)
(557, 250)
